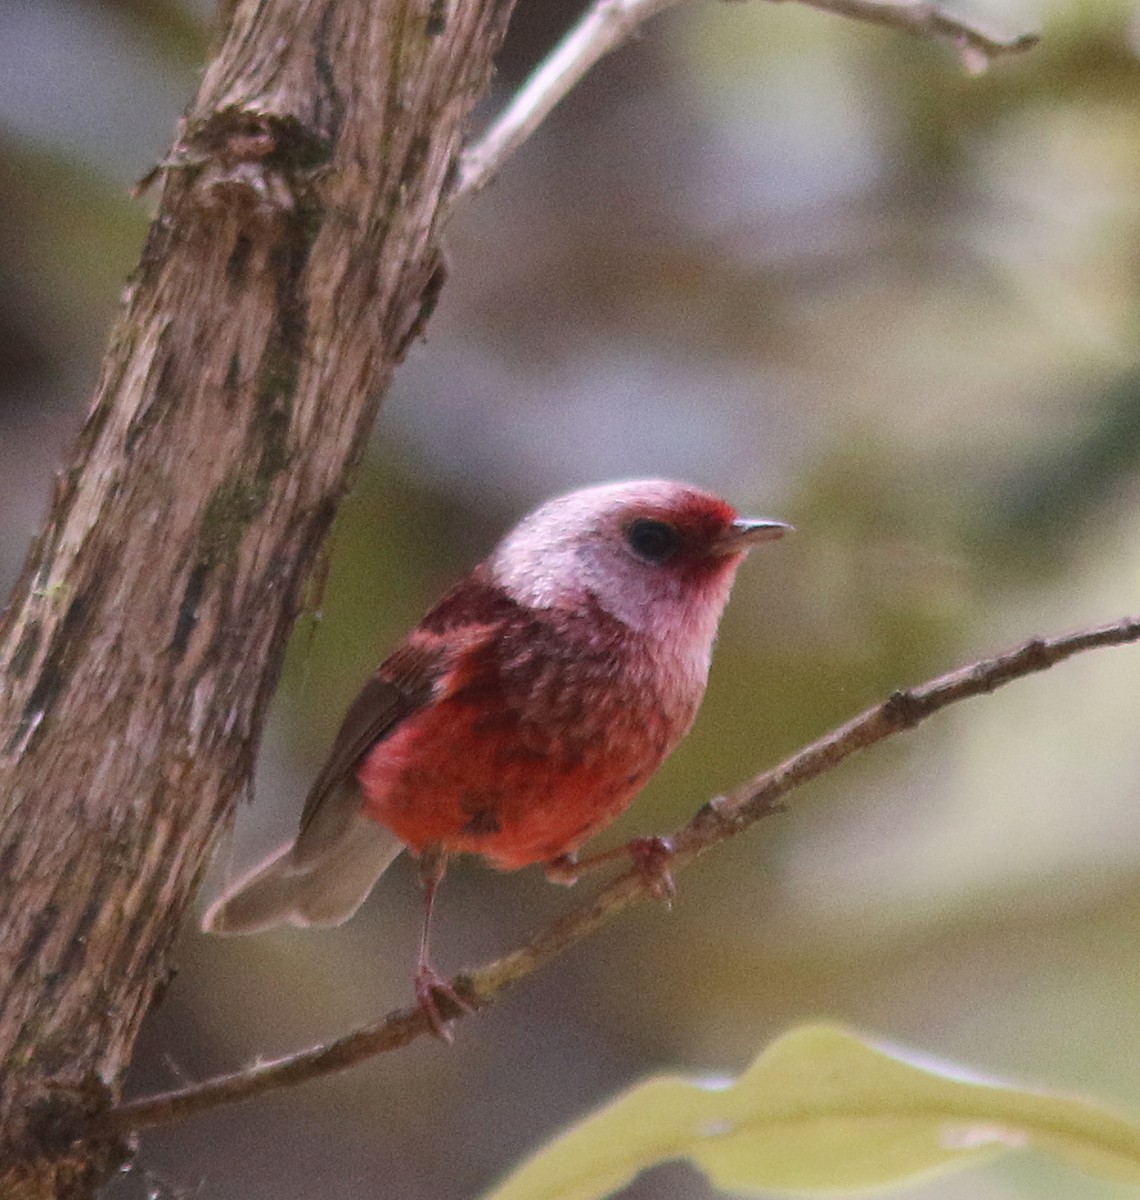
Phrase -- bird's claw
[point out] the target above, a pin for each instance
(652, 858)
(431, 988)
(564, 869)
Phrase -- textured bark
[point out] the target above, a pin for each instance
(294, 257)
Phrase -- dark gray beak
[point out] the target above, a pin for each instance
(746, 532)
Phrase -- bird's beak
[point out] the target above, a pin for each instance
(746, 532)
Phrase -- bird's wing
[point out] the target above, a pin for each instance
(404, 683)
(418, 671)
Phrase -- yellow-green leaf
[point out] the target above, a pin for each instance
(821, 1110)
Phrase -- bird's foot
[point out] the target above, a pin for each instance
(564, 869)
(653, 859)
(432, 991)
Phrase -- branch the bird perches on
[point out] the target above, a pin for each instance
(715, 822)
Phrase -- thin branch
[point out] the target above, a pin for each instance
(976, 46)
(717, 821)
(605, 26)
(608, 24)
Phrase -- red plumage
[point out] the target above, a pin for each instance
(538, 736)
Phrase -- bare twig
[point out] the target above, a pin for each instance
(607, 24)
(604, 26)
(717, 821)
(976, 46)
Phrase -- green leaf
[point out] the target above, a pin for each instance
(821, 1110)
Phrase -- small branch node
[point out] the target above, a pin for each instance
(717, 815)
(903, 709)
(1036, 654)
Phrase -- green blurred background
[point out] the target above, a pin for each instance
(814, 266)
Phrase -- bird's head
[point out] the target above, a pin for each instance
(658, 555)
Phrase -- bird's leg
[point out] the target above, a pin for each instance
(651, 858)
(430, 985)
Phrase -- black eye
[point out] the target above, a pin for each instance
(654, 541)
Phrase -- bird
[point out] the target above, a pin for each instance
(522, 714)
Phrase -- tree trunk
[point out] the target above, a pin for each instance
(294, 256)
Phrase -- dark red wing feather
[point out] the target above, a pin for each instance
(406, 681)
(403, 683)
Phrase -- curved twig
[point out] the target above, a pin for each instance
(717, 821)
(608, 24)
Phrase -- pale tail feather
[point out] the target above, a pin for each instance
(322, 889)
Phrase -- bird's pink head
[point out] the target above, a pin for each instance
(658, 555)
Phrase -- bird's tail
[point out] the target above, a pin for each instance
(296, 886)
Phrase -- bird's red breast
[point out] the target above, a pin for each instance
(541, 730)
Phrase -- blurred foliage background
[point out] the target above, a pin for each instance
(819, 268)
